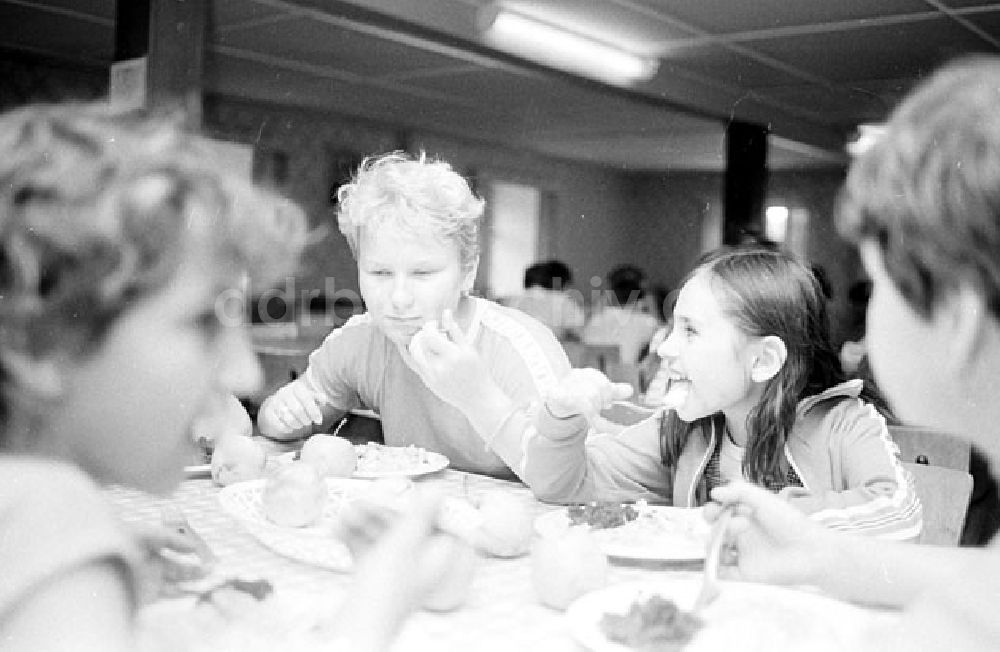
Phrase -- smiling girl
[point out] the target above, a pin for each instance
(755, 392)
(469, 385)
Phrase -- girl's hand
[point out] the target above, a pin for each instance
(773, 541)
(584, 391)
(292, 408)
(447, 362)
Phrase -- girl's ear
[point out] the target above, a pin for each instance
(769, 360)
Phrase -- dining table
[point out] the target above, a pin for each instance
(502, 610)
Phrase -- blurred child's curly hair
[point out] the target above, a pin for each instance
(97, 211)
(927, 193)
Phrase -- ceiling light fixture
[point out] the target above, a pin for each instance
(560, 48)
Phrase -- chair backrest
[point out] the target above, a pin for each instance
(927, 446)
(944, 494)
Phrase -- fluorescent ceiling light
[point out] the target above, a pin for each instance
(560, 48)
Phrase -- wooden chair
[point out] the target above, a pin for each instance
(944, 494)
(933, 447)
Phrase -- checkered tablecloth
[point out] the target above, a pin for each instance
(502, 612)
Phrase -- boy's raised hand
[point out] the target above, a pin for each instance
(584, 391)
(446, 361)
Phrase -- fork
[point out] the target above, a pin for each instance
(710, 578)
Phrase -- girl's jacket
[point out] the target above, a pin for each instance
(839, 446)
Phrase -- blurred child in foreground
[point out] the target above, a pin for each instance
(119, 239)
(923, 205)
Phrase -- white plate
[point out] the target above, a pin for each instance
(314, 544)
(380, 461)
(660, 533)
(744, 618)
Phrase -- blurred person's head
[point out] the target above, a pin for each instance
(120, 237)
(413, 226)
(749, 340)
(628, 284)
(923, 204)
(550, 274)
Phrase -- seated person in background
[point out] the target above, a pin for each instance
(928, 231)
(754, 393)
(545, 298)
(623, 319)
(118, 235)
(468, 386)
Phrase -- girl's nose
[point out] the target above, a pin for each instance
(668, 348)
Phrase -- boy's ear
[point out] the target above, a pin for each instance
(965, 318)
(769, 360)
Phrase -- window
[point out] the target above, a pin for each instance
(513, 239)
(787, 226)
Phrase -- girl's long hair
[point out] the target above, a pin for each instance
(765, 292)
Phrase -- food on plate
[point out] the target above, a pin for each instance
(237, 458)
(567, 566)
(506, 527)
(602, 515)
(450, 591)
(333, 457)
(638, 531)
(651, 623)
(294, 495)
(376, 458)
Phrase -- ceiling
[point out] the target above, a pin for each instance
(811, 70)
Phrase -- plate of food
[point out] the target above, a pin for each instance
(746, 617)
(634, 531)
(316, 543)
(380, 461)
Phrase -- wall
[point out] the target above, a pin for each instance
(602, 217)
(670, 215)
(816, 190)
